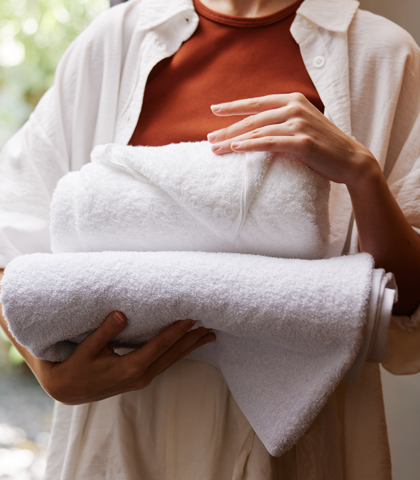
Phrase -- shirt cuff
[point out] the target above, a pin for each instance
(409, 323)
(374, 347)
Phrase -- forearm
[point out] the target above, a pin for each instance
(385, 233)
(32, 361)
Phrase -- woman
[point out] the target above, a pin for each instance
(347, 102)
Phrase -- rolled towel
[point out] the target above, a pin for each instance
(288, 330)
(184, 197)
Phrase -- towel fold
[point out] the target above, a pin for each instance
(288, 330)
(184, 197)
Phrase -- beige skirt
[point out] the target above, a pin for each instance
(187, 426)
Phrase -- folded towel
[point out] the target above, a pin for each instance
(287, 330)
(184, 197)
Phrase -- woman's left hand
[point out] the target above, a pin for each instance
(290, 123)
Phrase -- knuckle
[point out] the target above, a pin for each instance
(298, 97)
(255, 133)
(298, 124)
(293, 110)
(271, 140)
(249, 121)
(131, 371)
(253, 101)
(162, 344)
(306, 143)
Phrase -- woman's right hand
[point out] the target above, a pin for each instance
(94, 371)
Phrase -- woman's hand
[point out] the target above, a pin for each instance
(94, 371)
(290, 123)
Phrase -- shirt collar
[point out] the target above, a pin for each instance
(333, 15)
(154, 13)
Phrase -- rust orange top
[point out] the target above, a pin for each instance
(227, 58)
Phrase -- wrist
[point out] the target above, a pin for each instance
(366, 175)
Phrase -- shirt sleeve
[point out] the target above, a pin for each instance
(76, 113)
(404, 181)
(30, 166)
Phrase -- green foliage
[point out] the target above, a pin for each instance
(8, 352)
(15, 358)
(33, 36)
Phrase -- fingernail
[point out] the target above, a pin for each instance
(193, 322)
(212, 338)
(215, 148)
(118, 319)
(235, 145)
(216, 108)
(211, 137)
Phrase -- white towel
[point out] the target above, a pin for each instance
(184, 197)
(287, 330)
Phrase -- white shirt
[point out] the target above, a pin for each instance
(365, 69)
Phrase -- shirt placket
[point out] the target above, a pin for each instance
(159, 42)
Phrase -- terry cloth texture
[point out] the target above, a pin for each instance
(288, 330)
(184, 197)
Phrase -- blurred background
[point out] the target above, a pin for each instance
(33, 36)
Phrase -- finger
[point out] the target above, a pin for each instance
(283, 129)
(95, 343)
(286, 144)
(159, 344)
(268, 117)
(253, 105)
(208, 338)
(169, 357)
(292, 113)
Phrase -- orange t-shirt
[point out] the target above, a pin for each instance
(227, 58)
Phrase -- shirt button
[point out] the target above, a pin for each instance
(319, 61)
(307, 23)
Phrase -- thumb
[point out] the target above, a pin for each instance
(95, 342)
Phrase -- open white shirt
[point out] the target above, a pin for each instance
(367, 73)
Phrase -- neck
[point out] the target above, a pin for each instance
(247, 8)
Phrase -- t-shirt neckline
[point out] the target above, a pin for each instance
(235, 21)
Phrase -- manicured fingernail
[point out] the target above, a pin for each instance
(215, 148)
(211, 137)
(235, 145)
(216, 108)
(118, 319)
